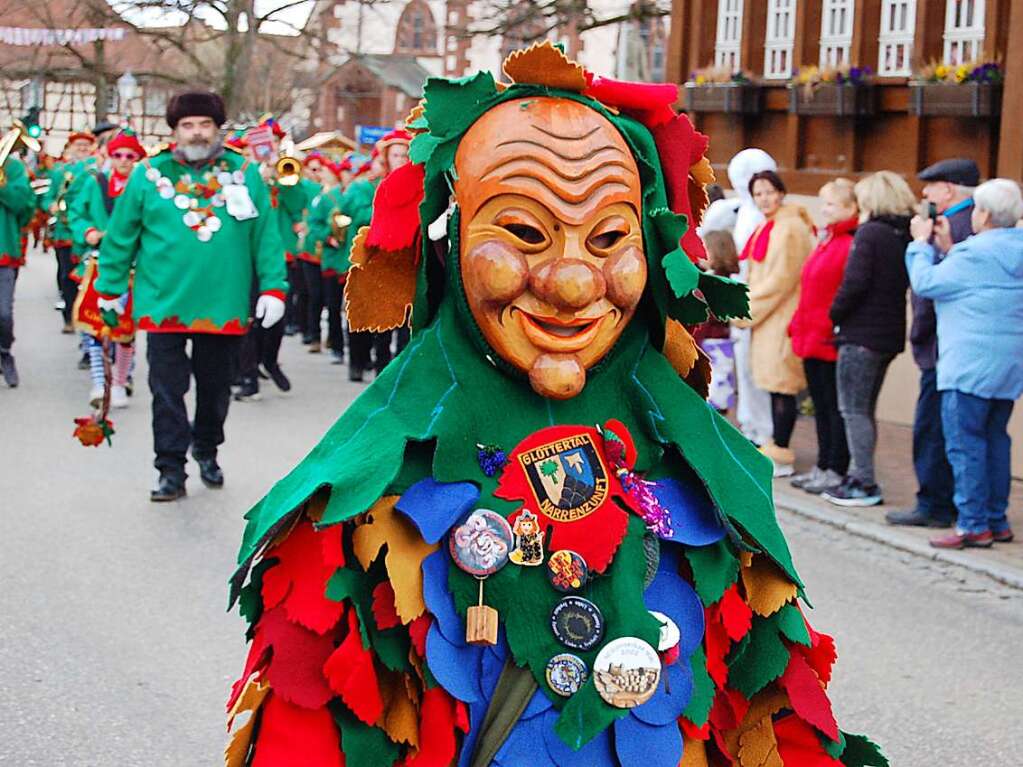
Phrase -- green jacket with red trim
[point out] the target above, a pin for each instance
(17, 202)
(196, 238)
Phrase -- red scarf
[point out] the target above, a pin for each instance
(116, 184)
(756, 245)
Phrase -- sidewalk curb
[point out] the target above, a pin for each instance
(889, 536)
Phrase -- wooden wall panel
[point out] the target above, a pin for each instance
(825, 142)
(888, 142)
(961, 137)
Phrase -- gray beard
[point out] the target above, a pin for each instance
(194, 154)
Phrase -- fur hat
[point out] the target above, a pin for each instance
(196, 104)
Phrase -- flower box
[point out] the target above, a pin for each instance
(734, 98)
(846, 100)
(955, 99)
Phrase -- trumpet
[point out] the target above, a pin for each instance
(288, 170)
(339, 225)
(18, 132)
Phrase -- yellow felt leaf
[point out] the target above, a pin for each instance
(400, 717)
(758, 746)
(694, 753)
(766, 703)
(250, 700)
(406, 551)
(767, 588)
(680, 347)
(543, 64)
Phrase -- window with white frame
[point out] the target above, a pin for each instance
(895, 43)
(781, 31)
(836, 32)
(728, 44)
(964, 30)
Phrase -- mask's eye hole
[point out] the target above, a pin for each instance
(525, 228)
(525, 232)
(607, 234)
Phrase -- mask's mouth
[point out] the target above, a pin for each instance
(551, 334)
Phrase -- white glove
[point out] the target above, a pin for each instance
(114, 305)
(269, 309)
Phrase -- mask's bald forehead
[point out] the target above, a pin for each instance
(556, 151)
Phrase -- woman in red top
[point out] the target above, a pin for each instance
(813, 336)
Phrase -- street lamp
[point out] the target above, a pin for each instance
(127, 87)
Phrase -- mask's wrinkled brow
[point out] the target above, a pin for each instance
(566, 171)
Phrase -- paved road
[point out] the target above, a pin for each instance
(115, 648)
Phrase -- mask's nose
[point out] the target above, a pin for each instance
(569, 284)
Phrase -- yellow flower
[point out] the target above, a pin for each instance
(700, 79)
(941, 71)
(961, 73)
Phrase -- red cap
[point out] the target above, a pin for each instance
(236, 140)
(81, 135)
(399, 135)
(275, 127)
(335, 168)
(125, 140)
(317, 156)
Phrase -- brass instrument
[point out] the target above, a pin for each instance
(339, 223)
(289, 171)
(10, 139)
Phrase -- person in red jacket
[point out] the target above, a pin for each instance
(813, 337)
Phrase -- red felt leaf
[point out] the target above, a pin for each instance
(693, 732)
(417, 631)
(295, 670)
(461, 716)
(438, 719)
(258, 653)
(650, 103)
(395, 222)
(799, 745)
(680, 146)
(728, 710)
(736, 615)
(384, 612)
(807, 696)
(293, 736)
(307, 560)
(821, 654)
(716, 643)
(351, 674)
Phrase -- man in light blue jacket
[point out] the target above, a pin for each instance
(978, 298)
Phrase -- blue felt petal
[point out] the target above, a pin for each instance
(438, 597)
(456, 668)
(670, 700)
(524, 746)
(671, 595)
(597, 753)
(491, 667)
(642, 745)
(537, 705)
(435, 507)
(693, 518)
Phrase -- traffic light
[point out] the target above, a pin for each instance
(31, 121)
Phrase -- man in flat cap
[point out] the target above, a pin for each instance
(194, 223)
(949, 185)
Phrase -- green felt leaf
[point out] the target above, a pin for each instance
(763, 659)
(727, 298)
(250, 598)
(422, 146)
(682, 274)
(361, 743)
(702, 699)
(585, 716)
(349, 584)
(390, 646)
(791, 624)
(448, 101)
(714, 567)
(833, 748)
(860, 751)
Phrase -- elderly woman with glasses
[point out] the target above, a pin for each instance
(978, 298)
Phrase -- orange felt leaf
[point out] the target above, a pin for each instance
(767, 589)
(764, 705)
(381, 285)
(700, 175)
(248, 702)
(400, 718)
(543, 64)
(679, 347)
(406, 551)
(758, 746)
(694, 753)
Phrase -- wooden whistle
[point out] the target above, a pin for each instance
(481, 623)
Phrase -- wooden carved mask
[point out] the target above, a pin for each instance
(551, 244)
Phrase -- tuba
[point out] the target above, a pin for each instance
(288, 168)
(17, 133)
(339, 223)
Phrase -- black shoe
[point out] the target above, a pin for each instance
(280, 380)
(337, 358)
(263, 375)
(307, 340)
(9, 369)
(167, 489)
(248, 391)
(210, 472)
(83, 363)
(355, 374)
(290, 330)
(129, 386)
(915, 518)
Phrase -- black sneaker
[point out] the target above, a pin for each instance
(915, 518)
(167, 489)
(9, 369)
(277, 375)
(210, 472)
(355, 374)
(248, 391)
(852, 492)
(83, 361)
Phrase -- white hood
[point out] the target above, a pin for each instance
(740, 170)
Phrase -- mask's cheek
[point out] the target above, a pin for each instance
(494, 271)
(625, 275)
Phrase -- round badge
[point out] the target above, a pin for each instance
(566, 673)
(626, 672)
(213, 223)
(203, 234)
(166, 192)
(481, 544)
(181, 201)
(224, 178)
(238, 177)
(577, 623)
(152, 174)
(567, 571)
(670, 634)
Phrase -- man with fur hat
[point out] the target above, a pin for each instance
(194, 222)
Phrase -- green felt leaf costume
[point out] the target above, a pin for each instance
(351, 548)
(17, 201)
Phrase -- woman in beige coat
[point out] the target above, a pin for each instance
(776, 253)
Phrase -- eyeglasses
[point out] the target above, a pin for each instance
(124, 156)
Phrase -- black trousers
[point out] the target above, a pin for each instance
(333, 294)
(832, 447)
(295, 303)
(170, 368)
(312, 279)
(68, 287)
(783, 417)
(259, 345)
(363, 344)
